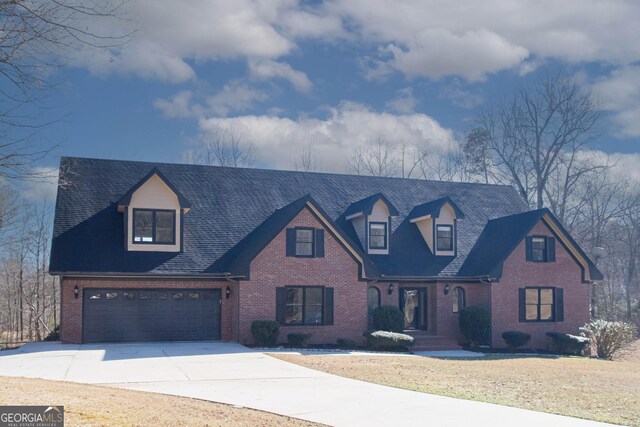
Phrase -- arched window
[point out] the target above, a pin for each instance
(459, 300)
(373, 302)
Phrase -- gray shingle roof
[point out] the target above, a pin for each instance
(229, 203)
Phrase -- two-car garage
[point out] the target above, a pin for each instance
(111, 315)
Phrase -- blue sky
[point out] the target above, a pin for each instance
(332, 75)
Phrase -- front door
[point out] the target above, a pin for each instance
(413, 305)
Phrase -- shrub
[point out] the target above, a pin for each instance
(54, 335)
(388, 318)
(568, 344)
(346, 343)
(265, 332)
(298, 339)
(515, 339)
(385, 340)
(475, 325)
(608, 337)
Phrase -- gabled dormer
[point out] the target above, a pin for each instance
(371, 218)
(153, 210)
(437, 222)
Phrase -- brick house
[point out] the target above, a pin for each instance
(150, 252)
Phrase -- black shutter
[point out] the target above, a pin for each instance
(559, 294)
(328, 306)
(319, 240)
(529, 249)
(522, 304)
(291, 242)
(551, 249)
(281, 302)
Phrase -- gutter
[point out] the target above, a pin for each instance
(225, 276)
(481, 279)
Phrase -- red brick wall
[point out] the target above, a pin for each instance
(71, 312)
(337, 269)
(447, 323)
(518, 273)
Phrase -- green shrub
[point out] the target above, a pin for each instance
(346, 343)
(385, 340)
(298, 340)
(265, 332)
(388, 318)
(475, 325)
(609, 337)
(54, 335)
(568, 344)
(515, 339)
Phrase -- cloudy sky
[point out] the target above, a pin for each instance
(286, 73)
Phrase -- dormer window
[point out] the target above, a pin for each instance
(377, 235)
(154, 226)
(445, 237)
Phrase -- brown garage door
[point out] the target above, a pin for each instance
(111, 315)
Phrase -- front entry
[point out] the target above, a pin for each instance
(413, 305)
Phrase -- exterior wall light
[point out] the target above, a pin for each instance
(446, 289)
(76, 292)
(390, 290)
(227, 292)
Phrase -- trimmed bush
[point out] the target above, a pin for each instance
(298, 340)
(265, 332)
(475, 325)
(385, 340)
(346, 343)
(388, 318)
(609, 337)
(568, 344)
(515, 339)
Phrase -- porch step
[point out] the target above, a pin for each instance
(423, 341)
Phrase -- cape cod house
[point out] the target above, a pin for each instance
(150, 251)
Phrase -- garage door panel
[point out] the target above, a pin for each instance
(151, 315)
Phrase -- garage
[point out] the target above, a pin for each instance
(114, 315)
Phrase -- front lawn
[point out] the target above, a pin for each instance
(578, 387)
(89, 405)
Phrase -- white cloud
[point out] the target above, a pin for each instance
(179, 106)
(620, 93)
(404, 102)
(268, 69)
(333, 138)
(235, 96)
(43, 185)
(460, 96)
(623, 165)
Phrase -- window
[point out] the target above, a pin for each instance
(194, 295)
(459, 301)
(538, 249)
(539, 304)
(177, 296)
(144, 295)
(161, 295)
(304, 306)
(373, 302)
(154, 226)
(94, 295)
(128, 295)
(304, 242)
(111, 295)
(377, 235)
(445, 237)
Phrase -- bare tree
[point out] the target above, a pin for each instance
(535, 131)
(34, 38)
(378, 158)
(222, 147)
(305, 159)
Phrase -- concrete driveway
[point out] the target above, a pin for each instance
(231, 373)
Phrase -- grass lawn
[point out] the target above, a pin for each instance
(579, 387)
(89, 405)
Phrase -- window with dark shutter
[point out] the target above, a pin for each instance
(539, 304)
(303, 305)
(319, 240)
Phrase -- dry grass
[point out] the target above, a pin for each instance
(578, 387)
(88, 405)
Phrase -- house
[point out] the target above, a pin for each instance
(150, 251)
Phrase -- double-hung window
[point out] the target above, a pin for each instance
(304, 242)
(377, 235)
(444, 237)
(304, 305)
(154, 226)
(539, 304)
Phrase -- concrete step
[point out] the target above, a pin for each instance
(423, 341)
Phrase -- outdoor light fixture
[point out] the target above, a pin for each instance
(446, 289)
(227, 293)
(390, 290)
(76, 292)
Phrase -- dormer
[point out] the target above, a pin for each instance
(437, 222)
(371, 218)
(153, 211)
